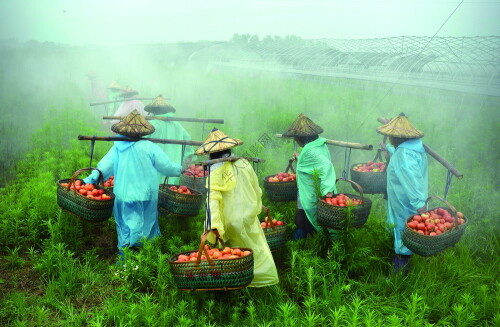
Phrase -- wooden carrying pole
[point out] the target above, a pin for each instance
(194, 120)
(211, 162)
(130, 139)
(433, 154)
(118, 100)
(358, 146)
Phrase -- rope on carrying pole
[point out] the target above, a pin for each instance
(182, 153)
(449, 177)
(92, 143)
(208, 220)
(347, 160)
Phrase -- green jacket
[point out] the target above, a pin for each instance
(315, 156)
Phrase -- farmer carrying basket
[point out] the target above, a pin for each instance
(407, 181)
(233, 203)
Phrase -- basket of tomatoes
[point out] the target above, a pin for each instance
(371, 176)
(274, 231)
(281, 187)
(208, 269)
(343, 210)
(195, 178)
(179, 199)
(434, 231)
(87, 201)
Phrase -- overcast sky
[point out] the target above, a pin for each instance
(123, 22)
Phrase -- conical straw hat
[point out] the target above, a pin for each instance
(128, 92)
(400, 127)
(115, 86)
(133, 125)
(217, 141)
(302, 126)
(159, 106)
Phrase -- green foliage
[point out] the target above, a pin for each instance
(59, 271)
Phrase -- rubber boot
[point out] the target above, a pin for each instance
(121, 258)
(401, 264)
(299, 234)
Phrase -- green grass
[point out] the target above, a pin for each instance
(56, 270)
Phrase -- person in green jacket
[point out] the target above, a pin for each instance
(172, 130)
(314, 162)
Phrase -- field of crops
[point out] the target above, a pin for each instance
(56, 270)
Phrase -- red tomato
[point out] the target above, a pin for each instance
(82, 191)
(421, 226)
(89, 187)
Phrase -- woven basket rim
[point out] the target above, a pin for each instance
(367, 200)
(409, 230)
(375, 172)
(172, 261)
(193, 191)
(281, 183)
(106, 190)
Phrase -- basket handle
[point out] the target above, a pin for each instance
(165, 181)
(268, 219)
(453, 209)
(203, 240)
(290, 166)
(78, 172)
(358, 187)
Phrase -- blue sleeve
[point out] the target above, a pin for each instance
(106, 166)
(163, 164)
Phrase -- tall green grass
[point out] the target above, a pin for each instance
(56, 270)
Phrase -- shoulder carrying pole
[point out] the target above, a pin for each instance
(118, 100)
(130, 139)
(193, 120)
(358, 146)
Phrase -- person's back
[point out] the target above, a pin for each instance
(135, 166)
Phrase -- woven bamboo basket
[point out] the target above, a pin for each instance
(425, 245)
(179, 203)
(275, 235)
(211, 275)
(371, 182)
(281, 191)
(193, 182)
(81, 206)
(335, 217)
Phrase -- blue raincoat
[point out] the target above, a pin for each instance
(135, 166)
(315, 156)
(174, 131)
(407, 186)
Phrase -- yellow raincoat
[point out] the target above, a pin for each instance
(235, 202)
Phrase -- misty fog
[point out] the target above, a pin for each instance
(259, 83)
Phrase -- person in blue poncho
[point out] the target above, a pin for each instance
(169, 130)
(314, 159)
(407, 181)
(135, 166)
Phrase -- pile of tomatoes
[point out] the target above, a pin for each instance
(181, 189)
(110, 182)
(342, 200)
(282, 177)
(195, 171)
(88, 190)
(266, 224)
(215, 254)
(434, 222)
